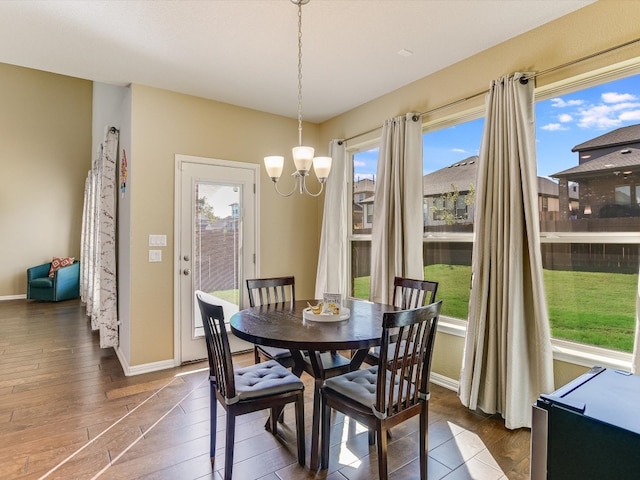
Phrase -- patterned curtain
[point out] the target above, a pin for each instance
(98, 288)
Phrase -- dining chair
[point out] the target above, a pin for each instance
(269, 291)
(381, 398)
(407, 293)
(266, 385)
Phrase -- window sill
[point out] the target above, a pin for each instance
(563, 351)
(589, 356)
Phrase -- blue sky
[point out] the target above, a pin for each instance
(561, 123)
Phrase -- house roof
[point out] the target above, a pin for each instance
(461, 174)
(364, 185)
(620, 136)
(620, 160)
(547, 187)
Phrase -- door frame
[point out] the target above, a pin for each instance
(177, 271)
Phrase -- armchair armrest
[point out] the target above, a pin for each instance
(38, 271)
(70, 272)
(66, 282)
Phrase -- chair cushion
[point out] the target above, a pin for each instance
(391, 350)
(275, 352)
(266, 378)
(360, 386)
(59, 262)
(42, 282)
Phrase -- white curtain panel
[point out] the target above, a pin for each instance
(507, 361)
(396, 235)
(332, 258)
(98, 249)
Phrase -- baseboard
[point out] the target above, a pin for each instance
(130, 370)
(13, 297)
(446, 382)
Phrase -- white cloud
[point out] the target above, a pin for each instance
(359, 163)
(631, 115)
(614, 97)
(565, 118)
(458, 150)
(560, 103)
(605, 116)
(553, 127)
(598, 116)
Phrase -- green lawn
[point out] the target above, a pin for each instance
(588, 307)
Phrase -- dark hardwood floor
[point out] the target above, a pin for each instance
(68, 412)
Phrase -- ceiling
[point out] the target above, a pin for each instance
(244, 52)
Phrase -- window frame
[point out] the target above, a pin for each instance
(563, 350)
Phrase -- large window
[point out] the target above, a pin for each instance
(588, 157)
(450, 162)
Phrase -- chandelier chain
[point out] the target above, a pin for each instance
(299, 73)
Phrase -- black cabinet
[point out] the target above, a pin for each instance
(589, 429)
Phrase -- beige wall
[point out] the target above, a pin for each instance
(165, 124)
(45, 154)
(591, 29)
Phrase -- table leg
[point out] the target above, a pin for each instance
(357, 359)
(318, 374)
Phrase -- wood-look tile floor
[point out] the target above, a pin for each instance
(68, 412)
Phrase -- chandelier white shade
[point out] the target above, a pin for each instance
(302, 155)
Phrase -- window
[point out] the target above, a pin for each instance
(587, 142)
(450, 162)
(623, 195)
(588, 158)
(364, 164)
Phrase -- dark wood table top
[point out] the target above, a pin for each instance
(282, 326)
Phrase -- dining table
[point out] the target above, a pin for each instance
(315, 343)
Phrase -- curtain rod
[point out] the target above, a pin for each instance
(523, 80)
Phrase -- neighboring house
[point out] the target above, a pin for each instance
(448, 194)
(549, 200)
(608, 174)
(363, 191)
(449, 198)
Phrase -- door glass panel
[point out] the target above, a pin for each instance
(217, 245)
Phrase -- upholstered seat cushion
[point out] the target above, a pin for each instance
(391, 350)
(42, 282)
(266, 378)
(359, 385)
(275, 352)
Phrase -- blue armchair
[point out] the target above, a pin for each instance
(64, 285)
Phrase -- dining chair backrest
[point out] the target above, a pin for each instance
(219, 352)
(409, 293)
(268, 291)
(409, 361)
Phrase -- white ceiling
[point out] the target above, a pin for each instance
(244, 52)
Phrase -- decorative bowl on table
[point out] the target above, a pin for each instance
(308, 314)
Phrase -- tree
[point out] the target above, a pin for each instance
(447, 211)
(206, 210)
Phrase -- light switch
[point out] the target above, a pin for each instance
(155, 255)
(157, 240)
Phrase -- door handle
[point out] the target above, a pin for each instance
(186, 271)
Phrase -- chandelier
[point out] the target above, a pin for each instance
(302, 155)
